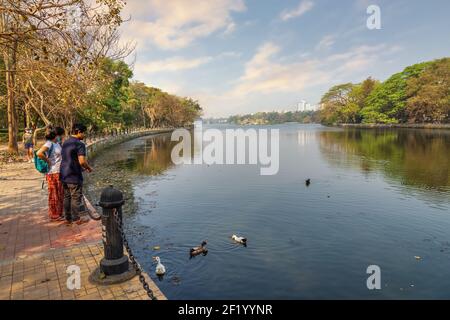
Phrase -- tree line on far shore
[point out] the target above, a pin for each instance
(418, 94)
(62, 61)
(274, 117)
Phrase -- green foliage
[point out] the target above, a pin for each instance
(420, 93)
(343, 103)
(275, 117)
(429, 94)
(116, 102)
(400, 154)
(386, 104)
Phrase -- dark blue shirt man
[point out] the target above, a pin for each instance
(72, 165)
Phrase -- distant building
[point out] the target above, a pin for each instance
(301, 106)
(304, 106)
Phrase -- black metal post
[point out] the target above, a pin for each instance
(115, 266)
(114, 262)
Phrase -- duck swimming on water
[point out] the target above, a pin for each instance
(199, 250)
(308, 182)
(240, 240)
(160, 269)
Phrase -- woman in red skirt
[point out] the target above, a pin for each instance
(51, 152)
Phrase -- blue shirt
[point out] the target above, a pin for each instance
(71, 170)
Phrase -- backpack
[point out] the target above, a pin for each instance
(42, 165)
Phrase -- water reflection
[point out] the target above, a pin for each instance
(155, 157)
(324, 235)
(305, 137)
(415, 158)
(121, 165)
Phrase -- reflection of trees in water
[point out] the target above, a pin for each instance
(418, 158)
(108, 173)
(119, 166)
(157, 156)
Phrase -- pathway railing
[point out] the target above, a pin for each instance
(98, 141)
(116, 267)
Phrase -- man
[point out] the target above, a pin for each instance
(72, 165)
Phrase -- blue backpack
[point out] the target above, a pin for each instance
(42, 165)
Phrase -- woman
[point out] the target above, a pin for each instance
(51, 152)
(27, 140)
(60, 132)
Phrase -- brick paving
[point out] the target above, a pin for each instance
(35, 252)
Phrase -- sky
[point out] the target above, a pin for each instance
(245, 56)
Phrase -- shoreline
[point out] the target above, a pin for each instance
(433, 126)
(99, 145)
(393, 126)
(35, 253)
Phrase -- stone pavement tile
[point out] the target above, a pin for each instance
(35, 253)
(80, 293)
(37, 292)
(17, 296)
(17, 287)
(107, 297)
(92, 290)
(30, 280)
(55, 296)
(92, 296)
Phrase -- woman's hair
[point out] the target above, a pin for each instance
(60, 131)
(50, 134)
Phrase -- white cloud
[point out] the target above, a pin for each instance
(231, 27)
(268, 75)
(326, 42)
(229, 54)
(265, 74)
(175, 24)
(171, 64)
(303, 7)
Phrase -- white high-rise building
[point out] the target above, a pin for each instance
(301, 106)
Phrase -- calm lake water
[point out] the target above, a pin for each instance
(377, 197)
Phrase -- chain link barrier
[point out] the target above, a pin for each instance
(135, 264)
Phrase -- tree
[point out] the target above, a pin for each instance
(3, 114)
(159, 108)
(333, 102)
(387, 102)
(429, 94)
(70, 33)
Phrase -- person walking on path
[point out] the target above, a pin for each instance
(72, 165)
(51, 153)
(27, 140)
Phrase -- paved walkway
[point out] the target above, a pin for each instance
(35, 253)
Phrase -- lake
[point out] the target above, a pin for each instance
(377, 197)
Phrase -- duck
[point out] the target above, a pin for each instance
(308, 182)
(200, 249)
(160, 269)
(240, 240)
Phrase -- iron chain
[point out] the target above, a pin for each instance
(135, 264)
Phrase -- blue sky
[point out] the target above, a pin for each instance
(244, 56)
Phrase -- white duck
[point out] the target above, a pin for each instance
(160, 269)
(241, 240)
